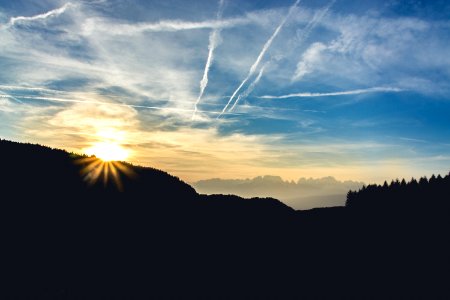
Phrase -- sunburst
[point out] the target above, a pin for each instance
(104, 164)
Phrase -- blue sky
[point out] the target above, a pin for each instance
(352, 89)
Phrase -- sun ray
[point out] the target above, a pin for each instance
(94, 168)
(116, 177)
(105, 172)
(103, 165)
(124, 169)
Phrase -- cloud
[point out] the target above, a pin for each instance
(261, 55)
(342, 93)
(49, 14)
(309, 60)
(362, 49)
(80, 125)
(90, 102)
(98, 25)
(5, 105)
(311, 56)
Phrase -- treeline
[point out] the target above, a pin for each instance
(415, 195)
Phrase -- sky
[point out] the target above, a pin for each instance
(357, 90)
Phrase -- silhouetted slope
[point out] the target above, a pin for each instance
(56, 173)
(64, 237)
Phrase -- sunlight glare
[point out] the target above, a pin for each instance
(108, 151)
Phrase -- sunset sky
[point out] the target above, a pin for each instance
(358, 90)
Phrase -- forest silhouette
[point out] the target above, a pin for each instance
(67, 236)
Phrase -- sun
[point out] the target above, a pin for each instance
(108, 151)
(105, 163)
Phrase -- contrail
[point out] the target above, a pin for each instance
(260, 56)
(313, 22)
(96, 24)
(306, 32)
(51, 13)
(4, 95)
(309, 27)
(213, 38)
(343, 93)
(29, 88)
(251, 87)
(105, 103)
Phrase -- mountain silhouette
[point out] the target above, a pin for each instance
(302, 194)
(74, 227)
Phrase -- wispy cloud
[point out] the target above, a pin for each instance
(92, 25)
(377, 50)
(412, 140)
(310, 58)
(53, 99)
(213, 40)
(49, 14)
(342, 93)
(266, 46)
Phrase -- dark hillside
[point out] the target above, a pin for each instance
(67, 232)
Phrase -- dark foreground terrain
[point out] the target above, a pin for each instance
(67, 234)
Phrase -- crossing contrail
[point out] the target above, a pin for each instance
(250, 88)
(260, 56)
(213, 39)
(306, 32)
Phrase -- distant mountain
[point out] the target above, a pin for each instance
(303, 194)
(72, 230)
